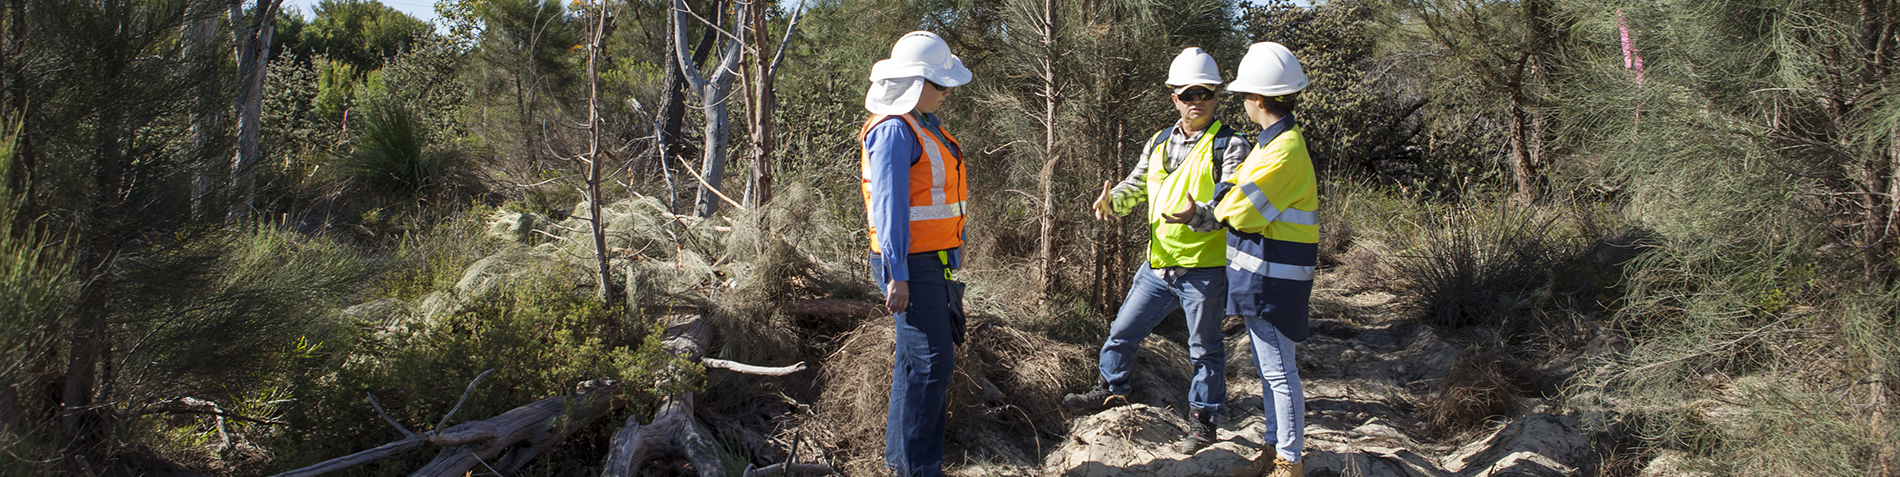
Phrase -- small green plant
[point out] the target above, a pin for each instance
(392, 156)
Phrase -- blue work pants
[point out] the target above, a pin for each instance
(1279, 389)
(1201, 293)
(920, 375)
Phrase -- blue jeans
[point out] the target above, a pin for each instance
(920, 375)
(1200, 292)
(1280, 390)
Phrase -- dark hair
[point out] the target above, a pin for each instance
(1281, 105)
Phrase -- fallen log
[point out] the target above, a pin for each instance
(674, 430)
(540, 424)
(835, 307)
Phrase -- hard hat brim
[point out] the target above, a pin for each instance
(953, 76)
(894, 96)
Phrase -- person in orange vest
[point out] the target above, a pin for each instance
(914, 192)
(1270, 208)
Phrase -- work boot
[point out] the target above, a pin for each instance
(1094, 401)
(1269, 464)
(1200, 432)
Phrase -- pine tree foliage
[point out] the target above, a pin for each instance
(1754, 143)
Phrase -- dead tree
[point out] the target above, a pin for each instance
(714, 93)
(673, 429)
(253, 53)
(503, 443)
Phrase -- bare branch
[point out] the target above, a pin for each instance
(465, 393)
(380, 412)
(742, 368)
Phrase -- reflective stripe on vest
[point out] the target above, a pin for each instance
(1243, 261)
(937, 209)
(1177, 245)
(1266, 209)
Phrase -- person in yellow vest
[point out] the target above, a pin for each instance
(1269, 209)
(1180, 164)
(914, 192)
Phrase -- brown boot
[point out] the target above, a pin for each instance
(1282, 468)
(1269, 464)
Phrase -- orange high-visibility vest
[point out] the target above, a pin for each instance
(936, 190)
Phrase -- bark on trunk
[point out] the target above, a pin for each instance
(672, 116)
(715, 92)
(1520, 151)
(522, 432)
(763, 105)
(207, 115)
(673, 430)
(605, 290)
(1046, 243)
(253, 52)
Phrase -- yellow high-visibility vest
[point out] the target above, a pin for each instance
(1177, 245)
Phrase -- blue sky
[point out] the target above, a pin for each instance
(421, 9)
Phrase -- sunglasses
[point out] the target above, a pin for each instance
(939, 87)
(1196, 95)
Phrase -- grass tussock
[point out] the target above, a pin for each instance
(1007, 380)
(1475, 391)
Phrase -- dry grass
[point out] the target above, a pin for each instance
(1007, 380)
(1476, 390)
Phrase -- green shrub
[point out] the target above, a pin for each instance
(392, 156)
(540, 336)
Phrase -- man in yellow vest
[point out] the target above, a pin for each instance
(1270, 210)
(1180, 164)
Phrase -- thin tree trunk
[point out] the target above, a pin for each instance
(718, 128)
(253, 52)
(764, 102)
(672, 116)
(1520, 150)
(1046, 249)
(605, 290)
(24, 159)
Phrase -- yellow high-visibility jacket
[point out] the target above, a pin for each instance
(1270, 207)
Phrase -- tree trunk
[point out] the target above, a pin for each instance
(524, 432)
(14, 71)
(253, 53)
(605, 290)
(764, 102)
(673, 429)
(1046, 249)
(1520, 149)
(207, 115)
(671, 117)
(90, 338)
(716, 93)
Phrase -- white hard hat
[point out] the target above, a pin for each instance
(922, 53)
(1192, 67)
(1269, 69)
(897, 82)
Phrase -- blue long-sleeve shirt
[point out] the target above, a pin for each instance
(893, 148)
